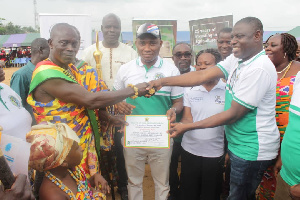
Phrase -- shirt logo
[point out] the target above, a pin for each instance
(15, 101)
(218, 100)
(158, 75)
(196, 99)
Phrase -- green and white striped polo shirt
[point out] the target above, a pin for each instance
(136, 72)
(252, 83)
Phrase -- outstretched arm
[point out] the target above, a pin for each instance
(188, 79)
(74, 93)
(236, 112)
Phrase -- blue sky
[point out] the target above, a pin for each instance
(275, 14)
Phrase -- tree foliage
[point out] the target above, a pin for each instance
(10, 28)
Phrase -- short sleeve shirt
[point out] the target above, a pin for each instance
(136, 72)
(290, 147)
(252, 84)
(14, 118)
(207, 142)
(20, 82)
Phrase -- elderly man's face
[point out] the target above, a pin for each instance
(182, 57)
(148, 48)
(111, 29)
(64, 45)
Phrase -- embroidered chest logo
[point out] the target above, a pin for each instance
(14, 101)
(122, 63)
(158, 75)
(218, 100)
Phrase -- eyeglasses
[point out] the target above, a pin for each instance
(186, 55)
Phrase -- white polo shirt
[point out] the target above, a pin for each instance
(14, 118)
(16, 123)
(136, 72)
(252, 84)
(207, 142)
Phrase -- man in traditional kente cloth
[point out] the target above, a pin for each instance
(61, 93)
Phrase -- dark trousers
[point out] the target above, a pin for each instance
(174, 178)
(122, 182)
(245, 176)
(201, 177)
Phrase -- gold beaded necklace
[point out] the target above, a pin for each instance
(287, 68)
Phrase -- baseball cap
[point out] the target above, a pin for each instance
(148, 28)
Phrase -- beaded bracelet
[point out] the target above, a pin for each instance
(136, 91)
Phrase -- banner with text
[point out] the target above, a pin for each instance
(204, 31)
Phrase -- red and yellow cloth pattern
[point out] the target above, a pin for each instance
(76, 116)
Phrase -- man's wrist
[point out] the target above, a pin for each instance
(173, 108)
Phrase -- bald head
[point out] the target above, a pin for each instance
(62, 26)
(111, 29)
(39, 50)
(37, 44)
(111, 15)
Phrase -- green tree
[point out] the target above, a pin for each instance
(10, 28)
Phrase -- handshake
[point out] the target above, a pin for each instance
(143, 89)
(146, 89)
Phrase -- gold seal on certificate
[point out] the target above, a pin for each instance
(147, 131)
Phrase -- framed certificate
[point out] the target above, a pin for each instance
(147, 131)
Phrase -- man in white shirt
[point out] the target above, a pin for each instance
(249, 116)
(15, 122)
(149, 66)
(182, 57)
(115, 54)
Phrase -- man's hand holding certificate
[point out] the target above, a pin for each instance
(147, 131)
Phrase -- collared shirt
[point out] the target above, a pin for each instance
(16, 123)
(252, 84)
(136, 72)
(290, 147)
(20, 82)
(111, 60)
(14, 118)
(207, 142)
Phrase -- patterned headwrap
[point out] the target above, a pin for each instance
(50, 145)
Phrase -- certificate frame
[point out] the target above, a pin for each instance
(146, 117)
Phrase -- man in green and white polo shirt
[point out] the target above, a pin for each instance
(147, 67)
(288, 182)
(249, 116)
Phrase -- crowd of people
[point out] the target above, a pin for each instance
(234, 116)
(8, 55)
